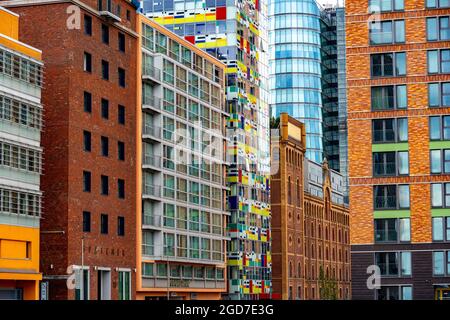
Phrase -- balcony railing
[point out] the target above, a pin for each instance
(151, 190)
(152, 220)
(152, 131)
(151, 160)
(151, 72)
(148, 249)
(151, 101)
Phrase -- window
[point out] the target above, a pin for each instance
(104, 185)
(121, 73)
(392, 230)
(386, 5)
(105, 70)
(438, 29)
(86, 181)
(87, 25)
(125, 285)
(104, 141)
(394, 263)
(437, 3)
(388, 64)
(121, 40)
(440, 161)
(440, 128)
(121, 226)
(121, 114)
(104, 223)
(441, 228)
(441, 263)
(394, 293)
(391, 197)
(389, 130)
(390, 163)
(86, 141)
(121, 188)
(105, 34)
(389, 97)
(439, 94)
(87, 62)
(87, 98)
(120, 150)
(86, 221)
(105, 109)
(440, 195)
(438, 61)
(384, 32)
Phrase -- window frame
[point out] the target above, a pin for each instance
(394, 97)
(393, 32)
(394, 64)
(397, 197)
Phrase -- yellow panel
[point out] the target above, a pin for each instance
(12, 249)
(9, 24)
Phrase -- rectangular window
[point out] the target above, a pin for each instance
(105, 70)
(439, 94)
(86, 181)
(394, 263)
(386, 5)
(82, 284)
(105, 109)
(440, 161)
(104, 185)
(86, 141)
(438, 61)
(389, 97)
(385, 32)
(390, 130)
(121, 188)
(438, 29)
(105, 34)
(121, 114)
(121, 40)
(121, 73)
(392, 230)
(104, 141)
(120, 150)
(87, 102)
(104, 223)
(440, 195)
(437, 3)
(391, 197)
(439, 265)
(121, 226)
(440, 128)
(87, 62)
(390, 163)
(86, 221)
(87, 25)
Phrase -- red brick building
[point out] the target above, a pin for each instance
(310, 223)
(89, 98)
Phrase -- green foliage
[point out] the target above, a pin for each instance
(274, 123)
(328, 287)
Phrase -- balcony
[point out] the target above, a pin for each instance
(151, 132)
(151, 74)
(150, 220)
(151, 103)
(151, 191)
(105, 11)
(151, 162)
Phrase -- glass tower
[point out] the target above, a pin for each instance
(235, 31)
(295, 67)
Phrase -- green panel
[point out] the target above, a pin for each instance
(384, 214)
(440, 144)
(384, 147)
(440, 212)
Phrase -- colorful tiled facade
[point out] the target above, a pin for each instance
(236, 34)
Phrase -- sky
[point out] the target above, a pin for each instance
(341, 2)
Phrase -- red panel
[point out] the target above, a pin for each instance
(191, 39)
(221, 13)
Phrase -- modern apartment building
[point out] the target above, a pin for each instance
(304, 73)
(181, 169)
(21, 81)
(310, 222)
(398, 106)
(88, 241)
(235, 33)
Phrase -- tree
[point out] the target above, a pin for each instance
(274, 123)
(328, 287)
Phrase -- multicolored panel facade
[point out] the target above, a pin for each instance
(235, 33)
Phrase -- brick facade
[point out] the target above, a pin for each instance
(309, 232)
(45, 26)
